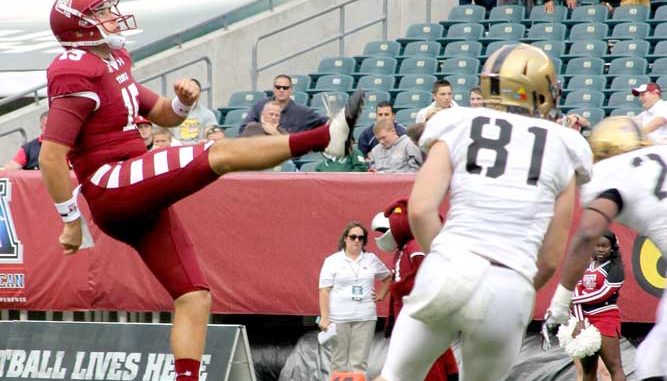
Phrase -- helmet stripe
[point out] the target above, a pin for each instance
(500, 59)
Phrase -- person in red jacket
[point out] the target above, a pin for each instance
(396, 237)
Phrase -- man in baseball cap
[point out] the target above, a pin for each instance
(654, 117)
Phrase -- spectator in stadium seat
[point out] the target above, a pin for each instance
(394, 154)
(476, 98)
(131, 192)
(654, 117)
(549, 4)
(269, 123)
(192, 129)
(293, 116)
(145, 128)
(215, 133)
(347, 298)
(27, 155)
(442, 99)
(367, 141)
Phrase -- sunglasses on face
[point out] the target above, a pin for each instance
(354, 237)
(278, 87)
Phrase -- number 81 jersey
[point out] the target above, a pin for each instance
(640, 178)
(508, 170)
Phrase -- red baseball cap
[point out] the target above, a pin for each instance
(141, 120)
(646, 87)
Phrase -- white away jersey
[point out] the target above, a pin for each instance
(508, 170)
(639, 176)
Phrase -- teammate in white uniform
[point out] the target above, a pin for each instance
(630, 189)
(511, 179)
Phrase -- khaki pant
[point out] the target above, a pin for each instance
(351, 346)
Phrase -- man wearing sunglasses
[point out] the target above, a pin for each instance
(293, 116)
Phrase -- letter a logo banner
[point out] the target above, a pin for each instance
(12, 274)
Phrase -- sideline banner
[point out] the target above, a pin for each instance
(114, 351)
(261, 238)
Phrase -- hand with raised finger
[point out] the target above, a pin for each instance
(71, 237)
(187, 91)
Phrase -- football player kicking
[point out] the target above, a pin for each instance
(94, 104)
(511, 176)
(628, 186)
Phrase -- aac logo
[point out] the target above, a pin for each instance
(11, 250)
(649, 266)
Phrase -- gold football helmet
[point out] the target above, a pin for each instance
(616, 135)
(520, 78)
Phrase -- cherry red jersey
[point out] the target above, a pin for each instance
(109, 133)
(598, 289)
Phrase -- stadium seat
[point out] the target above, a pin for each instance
(422, 82)
(583, 99)
(366, 118)
(539, 15)
(558, 64)
(506, 14)
(412, 99)
(461, 95)
(463, 80)
(422, 31)
(459, 65)
(358, 130)
(588, 31)
(586, 48)
(626, 82)
(661, 81)
(462, 49)
(462, 32)
(629, 48)
(385, 48)
(336, 65)
(300, 97)
(628, 13)
(465, 14)
(504, 31)
(311, 157)
(623, 99)
(659, 34)
(244, 99)
(659, 51)
(418, 65)
(373, 97)
(550, 47)
(585, 65)
(587, 82)
(235, 117)
(627, 66)
(659, 17)
(659, 67)
(300, 82)
(232, 131)
(546, 31)
(309, 166)
(495, 45)
(421, 49)
(587, 13)
(377, 65)
(630, 31)
(333, 82)
(593, 114)
(323, 100)
(376, 82)
(623, 111)
(407, 117)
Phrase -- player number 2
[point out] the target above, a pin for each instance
(499, 145)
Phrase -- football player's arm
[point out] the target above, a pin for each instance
(66, 116)
(431, 185)
(170, 112)
(555, 241)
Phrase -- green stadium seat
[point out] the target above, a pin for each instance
(300, 82)
(659, 67)
(495, 45)
(366, 118)
(407, 117)
(629, 48)
(358, 130)
(235, 117)
(628, 13)
(661, 81)
(558, 64)
(383, 82)
(244, 99)
(623, 99)
(659, 34)
(464, 14)
(418, 65)
(593, 114)
(628, 66)
(630, 31)
(333, 82)
(421, 49)
(335, 99)
(463, 80)
(506, 14)
(504, 31)
(585, 65)
(422, 82)
(232, 131)
(377, 65)
(462, 49)
(623, 111)
(539, 15)
(659, 17)
(300, 97)
(546, 31)
(463, 32)
(459, 65)
(659, 51)
(587, 13)
(551, 47)
(587, 48)
(373, 97)
(336, 65)
(583, 99)
(588, 31)
(587, 82)
(421, 32)
(384, 48)
(412, 99)
(626, 82)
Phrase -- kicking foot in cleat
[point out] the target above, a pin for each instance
(341, 125)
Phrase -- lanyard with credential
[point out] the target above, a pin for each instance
(357, 290)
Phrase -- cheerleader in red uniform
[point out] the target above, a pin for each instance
(595, 299)
(396, 236)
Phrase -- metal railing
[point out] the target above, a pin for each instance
(23, 94)
(20, 130)
(340, 36)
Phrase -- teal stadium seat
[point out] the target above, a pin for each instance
(627, 82)
(659, 68)
(495, 45)
(550, 47)
(659, 17)
(465, 14)
(336, 100)
(588, 31)
(629, 48)
(462, 49)
(459, 65)
(583, 99)
(659, 51)
(421, 49)
(586, 48)
(594, 115)
(463, 80)
(505, 31)
(463, 32)
(235, 117)
(232, 131)
(585, 65)
(623, 111)
(407, 117)
(366, 118)
(421, 32)
(373, 97)
(383, 82)
(630, 31)
(662, 82)
(538, 15)
(358, 130)
(383, 48)
(422, 82)
(629, 13)
(299, 97)
(336, 65)
(659, 34)
(244, 99)
(623, 99)
(333, 82)
(506, 14)
(628, 66)
(300, 82)
(587, 13)
(558, 64)
(377, 65)
(546, 31)
(418, 65)
(412, 99)
(587, 82)
(461, 95)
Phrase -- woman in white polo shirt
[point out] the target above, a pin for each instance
(347, 298)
